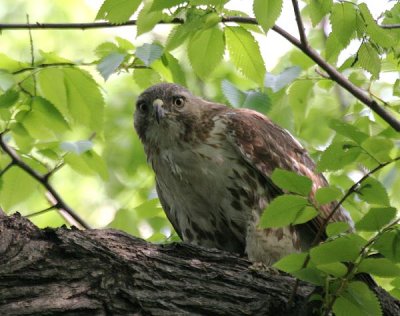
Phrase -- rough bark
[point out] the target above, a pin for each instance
(107, 272)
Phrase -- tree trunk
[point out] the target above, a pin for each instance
(107, 272)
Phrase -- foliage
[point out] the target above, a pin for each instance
(68, 115)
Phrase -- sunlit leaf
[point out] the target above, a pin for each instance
(291, 263)
(376, 219)
(117, 11)
(291, 181)
(318, 9)
(267, 12)
(338, 155)
(9, 98)
(380, 267)
(336, 269)
(372, 191)
(245, 53)
(337, 228)
(326, 195)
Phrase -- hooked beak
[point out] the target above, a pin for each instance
(159, 111)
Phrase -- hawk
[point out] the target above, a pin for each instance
(213, 164)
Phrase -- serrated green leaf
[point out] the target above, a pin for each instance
(357, 300)
(337, 269)
(180, 33)
(291, 181)
(205, 50)
(291, 263)
(9, 98)
(77, 147)
(348, 130)
(286, 77)
(245, 53)
(282, 211)
(388, 245)
(175, 69)
(383, 37)
(333, 47)
(339, 155)
(75, 95)
(124, 45)
(343, 21)
(380, 267)
(117, 11)
(318, 9)
(337, 228)
(376, 219)
(368, 59)
(341, 249)
(147, 19)
(372, 191)
(17, 186)
(44, 121)
(267, 12)
(148, 53)
(326, 195)
(109, 64)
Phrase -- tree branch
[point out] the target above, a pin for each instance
(334, 74)
(300, 26)
(43, 180)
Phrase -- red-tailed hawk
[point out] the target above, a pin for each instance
(213, 165)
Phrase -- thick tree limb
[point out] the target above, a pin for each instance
(107, 272)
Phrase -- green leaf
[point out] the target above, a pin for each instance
(9, 98)
(75, 95)
(286, 77)
(357, 300)
(146, 77)
(10, 65)
(205, 50)
(267, 12)
(311, 275)
(122, 220)
(376, 219)
(337, 228)
(291, 263)
(282, 211)
(337, 269)
(96, 163)
(372, 191)
(147, 19)
(343, 21)
(326, 195)
(16, 187)
(245, 53)
(105, 49)
(333, 47)
(318, 9)
(148, 53)
(304, 215)
(382, 37)
(7, 80)
(379, 147)
(181, 32)
(109, 64)
(396, 88)
(348, 130)
(368, 59)
(291, 181)
(338, 155)
(389, 245)
(345, 248)
(78, 147)
(165, 4)
(117, 11)
(172, 65)
(380, 267)
(44, 121)
(241, 99)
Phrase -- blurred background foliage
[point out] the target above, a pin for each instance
(114, 187)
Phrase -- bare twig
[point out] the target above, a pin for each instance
(32, 54)
(43, 180)
(390, 26)
(300, 25)
(52, 207)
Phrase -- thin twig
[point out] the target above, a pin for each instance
(52, 207)
(17, 161)
(3, 171)
(300, 25)
(32, 54)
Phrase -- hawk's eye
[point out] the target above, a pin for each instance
(142, 106)
(179, 102)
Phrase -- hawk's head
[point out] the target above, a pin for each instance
(165, 112)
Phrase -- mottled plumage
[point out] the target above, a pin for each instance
(213, 165)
